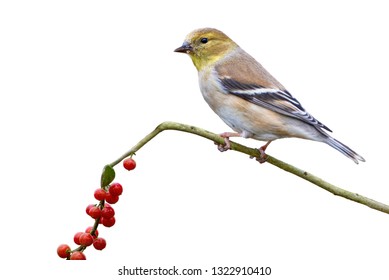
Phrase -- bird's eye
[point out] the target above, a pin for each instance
(204, 40)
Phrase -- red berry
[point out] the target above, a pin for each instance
(63, 251)
(100, 194)
(77, 256)
(108, 222)
(115, 189)
(76, 238)
(86, 239)
(129, 164)
(89, 229)
(95, 212)
(99, 243)
(111, 198)
(107, 212)
(89, 207)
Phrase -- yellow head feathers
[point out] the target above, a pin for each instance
(205, 46)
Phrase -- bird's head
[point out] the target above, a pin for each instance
(205, 46)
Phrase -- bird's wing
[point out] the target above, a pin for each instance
(280, 101)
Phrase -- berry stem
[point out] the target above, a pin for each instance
(95, 225)
(97, 221)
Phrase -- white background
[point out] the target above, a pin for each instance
(82, 81)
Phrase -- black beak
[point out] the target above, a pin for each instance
(185, 48)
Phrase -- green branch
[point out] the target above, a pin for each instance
(255, 153)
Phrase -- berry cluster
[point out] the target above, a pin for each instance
(102, 212)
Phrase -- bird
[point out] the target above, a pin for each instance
(248, 98)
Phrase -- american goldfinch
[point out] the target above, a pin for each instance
(247, 98)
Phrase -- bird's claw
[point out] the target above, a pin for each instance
(222, 148)
(263, 156)
(225, 147)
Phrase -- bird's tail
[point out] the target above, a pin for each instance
(344, 149)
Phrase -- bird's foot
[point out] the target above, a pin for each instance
(263, 156)
(225, 147)
(227, 143)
